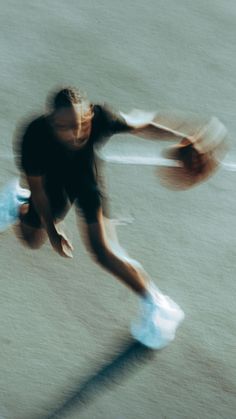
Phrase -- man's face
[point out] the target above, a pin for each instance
(67, 127)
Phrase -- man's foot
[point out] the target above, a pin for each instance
(12, 197)
(159, 320)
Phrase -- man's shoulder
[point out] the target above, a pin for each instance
(109, 120)
(36, 124)
(102, 108)
(33, 134)
(104, 113)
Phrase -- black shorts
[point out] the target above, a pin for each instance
(87, 199)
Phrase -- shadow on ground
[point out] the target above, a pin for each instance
(131, 356)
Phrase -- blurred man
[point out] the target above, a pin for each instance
(58, 160)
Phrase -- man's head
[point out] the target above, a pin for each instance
(70, 116)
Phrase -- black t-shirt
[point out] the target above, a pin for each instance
(41, 154)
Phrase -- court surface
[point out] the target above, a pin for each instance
(65, 345)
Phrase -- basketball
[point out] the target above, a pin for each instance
(198, 157)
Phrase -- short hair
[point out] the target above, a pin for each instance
(66, 97)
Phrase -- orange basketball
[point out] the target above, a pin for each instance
(198, 157)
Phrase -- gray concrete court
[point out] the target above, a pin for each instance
(64, 331)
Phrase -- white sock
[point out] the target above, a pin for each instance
(151, 293)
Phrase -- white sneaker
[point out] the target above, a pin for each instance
(160, 317)
(12, 196)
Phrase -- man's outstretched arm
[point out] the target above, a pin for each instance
(143, 124)
(188, 150)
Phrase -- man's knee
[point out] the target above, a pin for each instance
(33, 243)
(30, 237)
(100, 251)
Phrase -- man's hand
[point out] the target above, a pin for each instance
(61, 245)
(192, 159)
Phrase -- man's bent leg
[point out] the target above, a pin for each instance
(160, 316)
(33, 236)
(30, 230)
(30, 236)
(120, 265)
